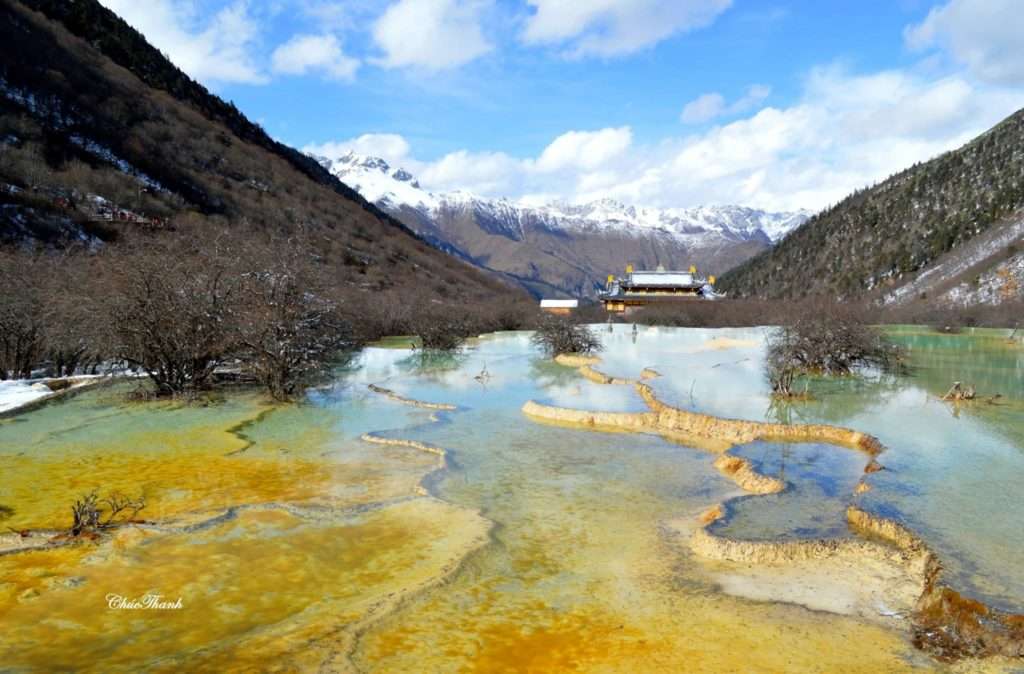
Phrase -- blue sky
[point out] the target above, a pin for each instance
(772, 103)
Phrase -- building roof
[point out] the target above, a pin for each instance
(559, 304)
(661, 278)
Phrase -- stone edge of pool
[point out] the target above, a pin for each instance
(944, 622)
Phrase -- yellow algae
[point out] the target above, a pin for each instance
(440, 453)
(609, 598)
(576, 360)
(724, 343)
(649, 373)
(184, 459)
(267, 584)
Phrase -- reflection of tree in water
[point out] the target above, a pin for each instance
(989, 361)
(546, 373)
(835, 399)
(432, 365)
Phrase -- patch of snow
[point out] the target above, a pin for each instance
(1005, 282)
(970, 254)
(106, 154)
(15, 393)
(20, 392)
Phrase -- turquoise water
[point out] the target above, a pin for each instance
(580, 569)
(953, 473)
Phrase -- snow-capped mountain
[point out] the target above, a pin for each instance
(394, 188)
(561, 246)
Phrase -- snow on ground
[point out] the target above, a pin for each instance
(17, 392)
(970, 254)
(1003, 283)
(20, 392)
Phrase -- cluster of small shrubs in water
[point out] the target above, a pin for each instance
(827, 339)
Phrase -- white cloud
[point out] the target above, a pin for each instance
(985, 35)
(218, 50)
(388, 146)
(845, 131)
(703, 108)
(584, 149)
(431, 34)
(709, 106)
(613, 27)
(492, 173)
(305, 53)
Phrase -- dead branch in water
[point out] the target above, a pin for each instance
(92, 514)
(958, 392)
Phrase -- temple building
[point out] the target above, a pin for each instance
(639, 288)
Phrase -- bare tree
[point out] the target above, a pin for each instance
(171, 312)
(829, 339)
(21, 317)
(73, 338)
(560, 335)
(288, 329)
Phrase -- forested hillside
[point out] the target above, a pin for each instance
(880, 237)
(102, 139)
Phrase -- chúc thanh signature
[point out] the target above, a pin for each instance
(155, 602)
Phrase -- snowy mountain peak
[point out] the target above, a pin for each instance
(397, 189)
(351, 159)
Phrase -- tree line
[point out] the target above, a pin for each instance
(190, 312)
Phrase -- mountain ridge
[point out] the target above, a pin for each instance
(536, 247)
(881, 238)
(103, 139)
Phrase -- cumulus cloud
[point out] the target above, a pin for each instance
(388, 146)
(431, 34)
(217, 50)
(703, 108)
(982, 34)
(306, 53)
(490, 173)
(584, 149)
(709, 106)
(843, 132)
(615, 27)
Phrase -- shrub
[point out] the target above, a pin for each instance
(442, 327)
(170, 314)
(288, 330)
(441, 332)
(21, 318)
(827, 339)
(557, 336)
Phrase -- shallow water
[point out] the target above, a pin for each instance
(820, 480)
(540, 548)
